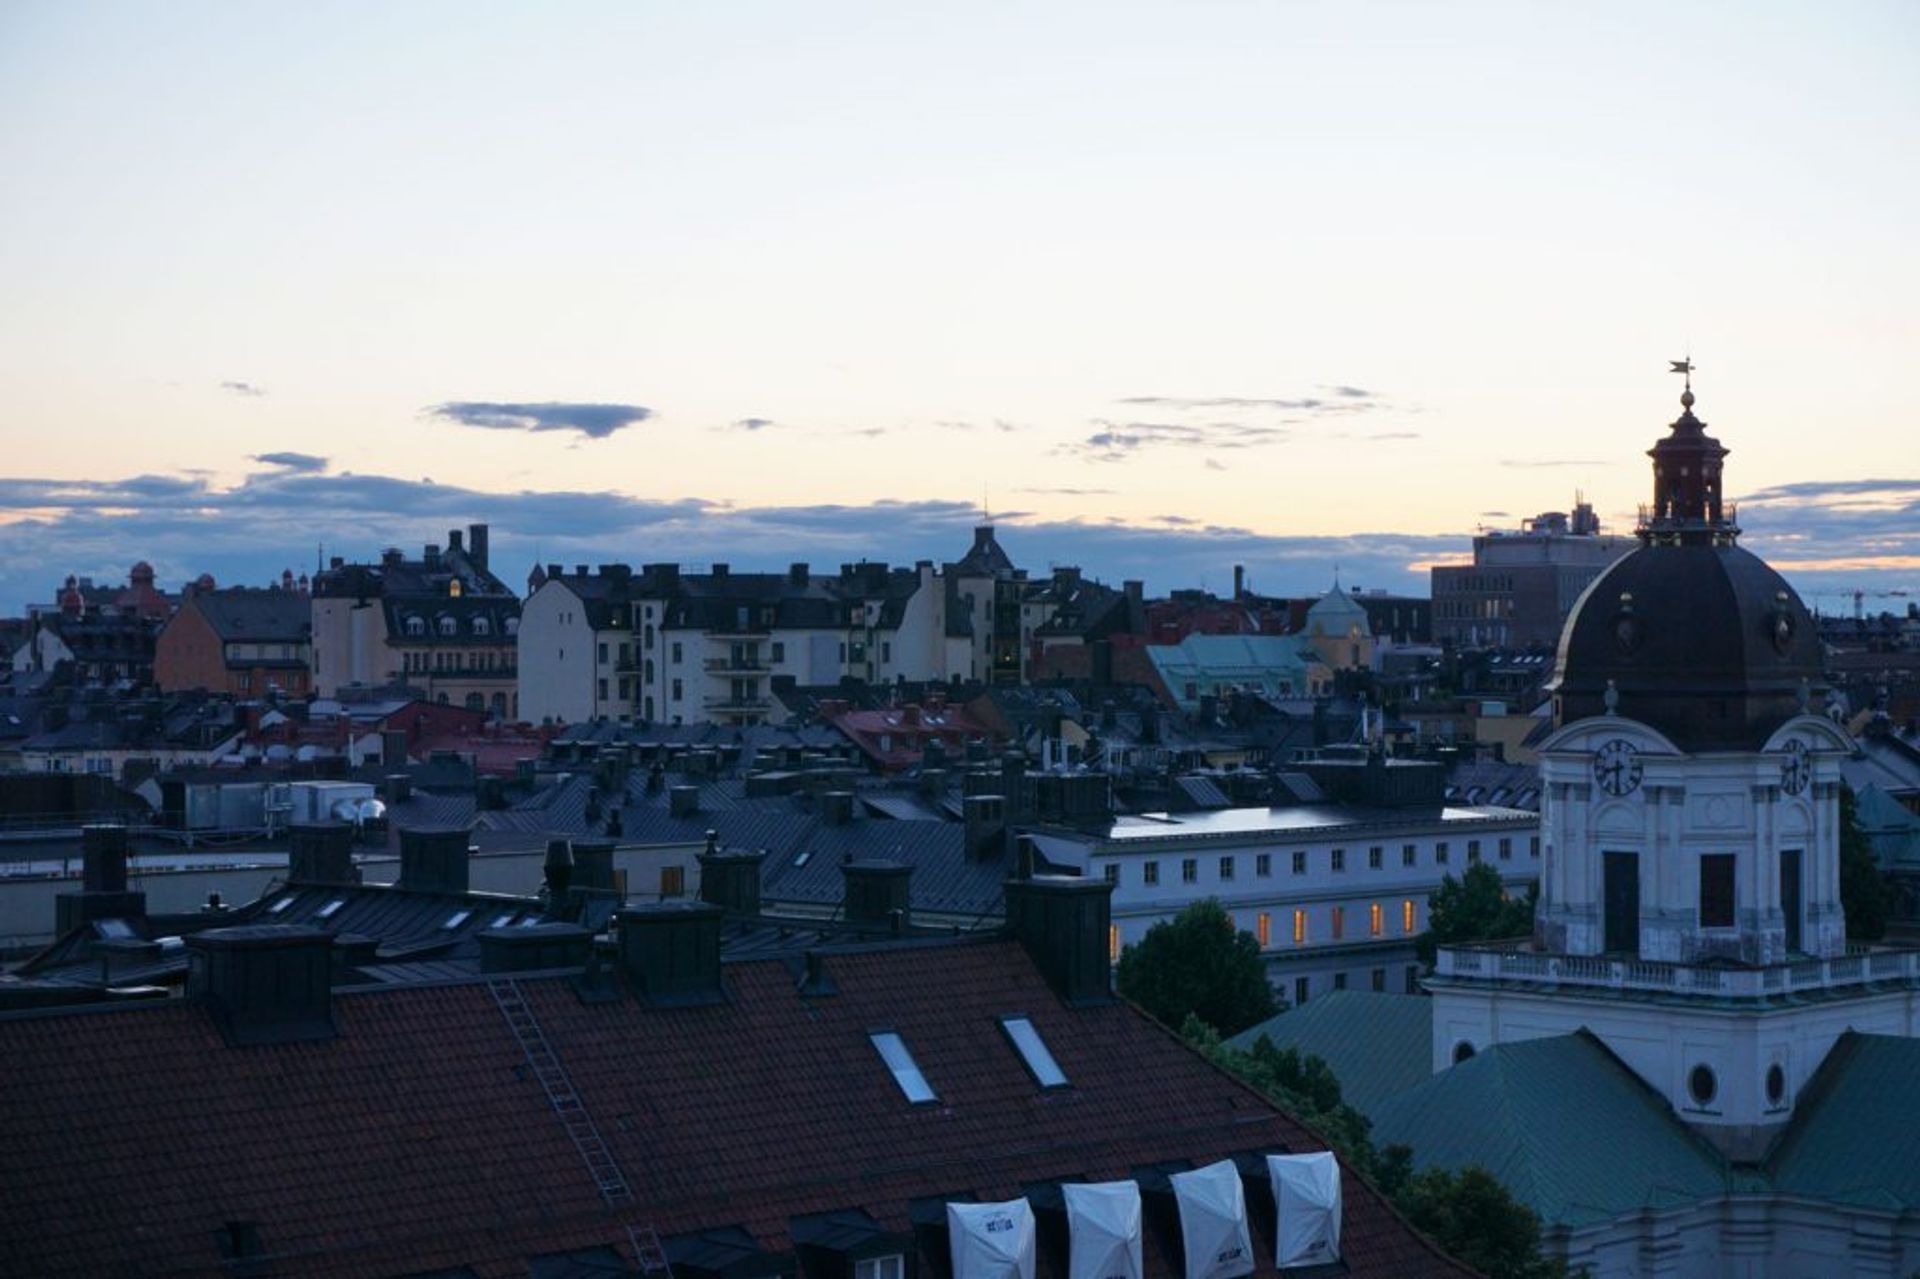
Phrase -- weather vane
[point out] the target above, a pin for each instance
(1683, 366)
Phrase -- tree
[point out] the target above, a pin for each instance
(1474, 1217)
(1863, 890)
(1198, 964)
(1474, 907)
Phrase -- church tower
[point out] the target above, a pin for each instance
(1689, 912)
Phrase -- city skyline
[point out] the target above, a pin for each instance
(1167, 290)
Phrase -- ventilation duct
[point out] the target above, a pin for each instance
(1306, 1205)
(1213, 1222)
(1103, 1230)
(992, 1241)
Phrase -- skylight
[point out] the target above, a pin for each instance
(1033, 1051)
(458, 918)
(331, 909)
(501, 920)
(906, 1071)
(280, 905)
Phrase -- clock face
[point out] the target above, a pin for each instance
(1616, 767)
(1796, 767)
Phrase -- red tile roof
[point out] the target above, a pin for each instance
(418, 1138)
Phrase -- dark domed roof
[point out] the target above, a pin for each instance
(1703, 642)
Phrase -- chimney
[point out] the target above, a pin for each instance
(719, 572)
(320, 854)
(454, 537)
(534, 948)
(731, 880)
(593, 865)
(683, 801)
(933, 782)
(1239, 580)
(798, 575)
(433, 859)
(477, 546)
(1013, 780)
(399, 787)
(103, 895)
(431, 555)
(1062, 922)
(559, 873)
(671, 952)
(986, 823)
(836, 807)
(264, 983)
(877, 891)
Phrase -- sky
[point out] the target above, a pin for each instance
(1319, 288)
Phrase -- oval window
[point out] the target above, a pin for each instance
(1701, 1085)
(1776, 1084)
(1462, 1051)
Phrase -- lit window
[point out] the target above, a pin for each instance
(673, 881)
(1406, 915)
(1113, 943)
(1375, 918)
(1033, 1051)
(1263, 928)
(1339, 914)
(900, 1062)
(1299, 927)
(893, 1267)
(331, 909)
(458, 918)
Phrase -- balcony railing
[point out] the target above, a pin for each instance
(729, 703)
(1506, 965)
(735, 666)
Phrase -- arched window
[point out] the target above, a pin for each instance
(499, 706)
(449, 627)
(476, 702)
(511, 626)
(416, 625)
(482, 627)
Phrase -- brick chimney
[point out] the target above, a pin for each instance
(878, 891)
(670, 952)
(1062, 921)
(477, 546)
(433, 859)
(320, 854)
(264, 983)
(731, 880)
(103, 881)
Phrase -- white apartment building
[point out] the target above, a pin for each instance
(1335, 894)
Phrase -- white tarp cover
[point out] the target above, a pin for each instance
(1306, 1204)
(1103, 1230)
(1213, 1221)
(991, 1241)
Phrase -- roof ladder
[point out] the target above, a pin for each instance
(566, 1103)
(648, 1252)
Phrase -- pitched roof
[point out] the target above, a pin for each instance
(1378, 1046)
(1620, 1150)
(1855, 1137)
(256, 616)
(418, 1139)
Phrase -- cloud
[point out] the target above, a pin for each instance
(749, 424)
(594, 421)
(1117, 441)
(1544, 463)
(1340, 399)
(1069, 492)
(243, 388)
(292, 461)
(997, 424)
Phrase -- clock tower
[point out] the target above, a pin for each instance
(1689, 911)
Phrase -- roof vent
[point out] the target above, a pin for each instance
(534, 948)
(836, 807)
(264, 983)
(671, 952)
(731, 880)
(683, 801)
(986, 819)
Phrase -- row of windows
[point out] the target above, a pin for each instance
(1300, 919)
(1303, 986)
(1228, 864)
(416, 626)
(440, 659)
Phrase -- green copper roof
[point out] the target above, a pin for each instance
(1377, 1045)
(1855, 1137)
(1569, 1129)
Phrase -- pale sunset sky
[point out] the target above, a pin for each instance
(1171, 286)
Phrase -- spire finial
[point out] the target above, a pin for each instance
(1684, 367)
(1611, 698)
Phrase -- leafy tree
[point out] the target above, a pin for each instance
(1474, 907)
(1198, 964)
(1473, 1216)
(1863, 889)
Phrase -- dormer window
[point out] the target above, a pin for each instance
(449, 627)
(890, 1267)
(900, 1063)
(416, 626)
(481, 626)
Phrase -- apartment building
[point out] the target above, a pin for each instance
(1522, 584)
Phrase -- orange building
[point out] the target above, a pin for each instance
(239, 641)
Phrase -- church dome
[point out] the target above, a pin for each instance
(1336, 613)
(1693, 635)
